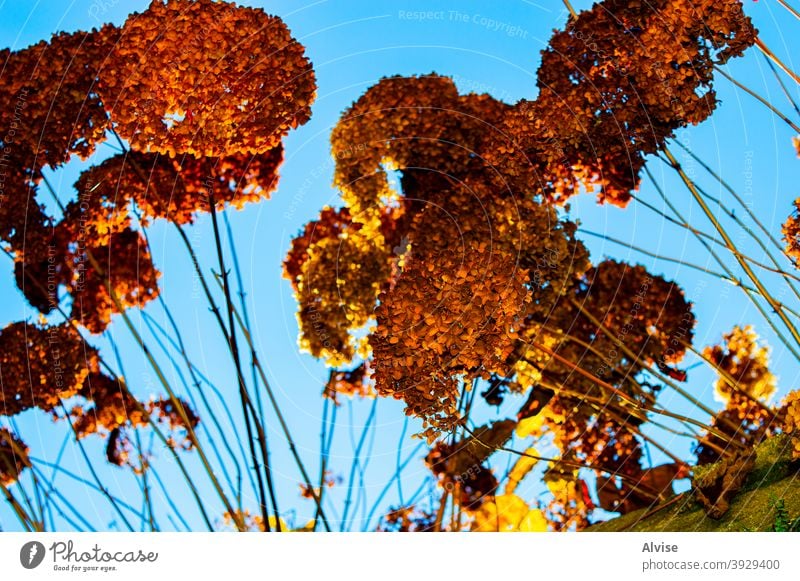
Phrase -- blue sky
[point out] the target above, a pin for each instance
(487, 47)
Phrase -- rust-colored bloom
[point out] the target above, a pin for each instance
(614, 85)
(49, 91)
(791, 233)
(179, 417)
(354, 383)
(207, 79)
(13, 457)
(112, 406)
(42, 366)
(125, 265)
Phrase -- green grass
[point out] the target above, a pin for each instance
(769, 500)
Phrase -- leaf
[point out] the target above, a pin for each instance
(521, 469)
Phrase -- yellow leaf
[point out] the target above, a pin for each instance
(503, 515)
(534, 522)
(520, 470)
(529, 426)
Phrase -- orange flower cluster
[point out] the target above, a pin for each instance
(179, 417)
(431, 250)
(407, 519)
(13, 457)
(51, 106)
(41, 366)
(248, 84)
(44, 366)
(459, 266)
(791, 413)
(206, 78)
(408, 123)
(745, 418)
(746, 362)
(113, 406)
(125, 263)
(51, 112)
(614, 86)
(109, 408)
(791, 233)
(450, 317)
(649, 315)
(588, 423)
(356, 382)
(337, 269)
(469, 267)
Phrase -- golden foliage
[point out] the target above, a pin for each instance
(746, 362)
(522, 467)
(337, 270)
(613, 87)
(746, 418)
(508, 513)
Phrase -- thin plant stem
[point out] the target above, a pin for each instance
(731, 246)
(759, 98)
(259, 405)
(712, 273)
(163, 380)
(624, 396)
(763, 48)
(247, 408)
(281, 420)
(738, 198)
(356, 457)
(722, 264)
(788, 7)
(103, 490)
(782, 85)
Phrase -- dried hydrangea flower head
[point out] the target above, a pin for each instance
(124, 264)
(745, 418)
(791, 412)
(214, 79)
(407, 123)
(249, 83)
(51, 87)
(614, 85)
(42, 366)
(744, 360)
(791, 233)
(112, 406)
(13, 457)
